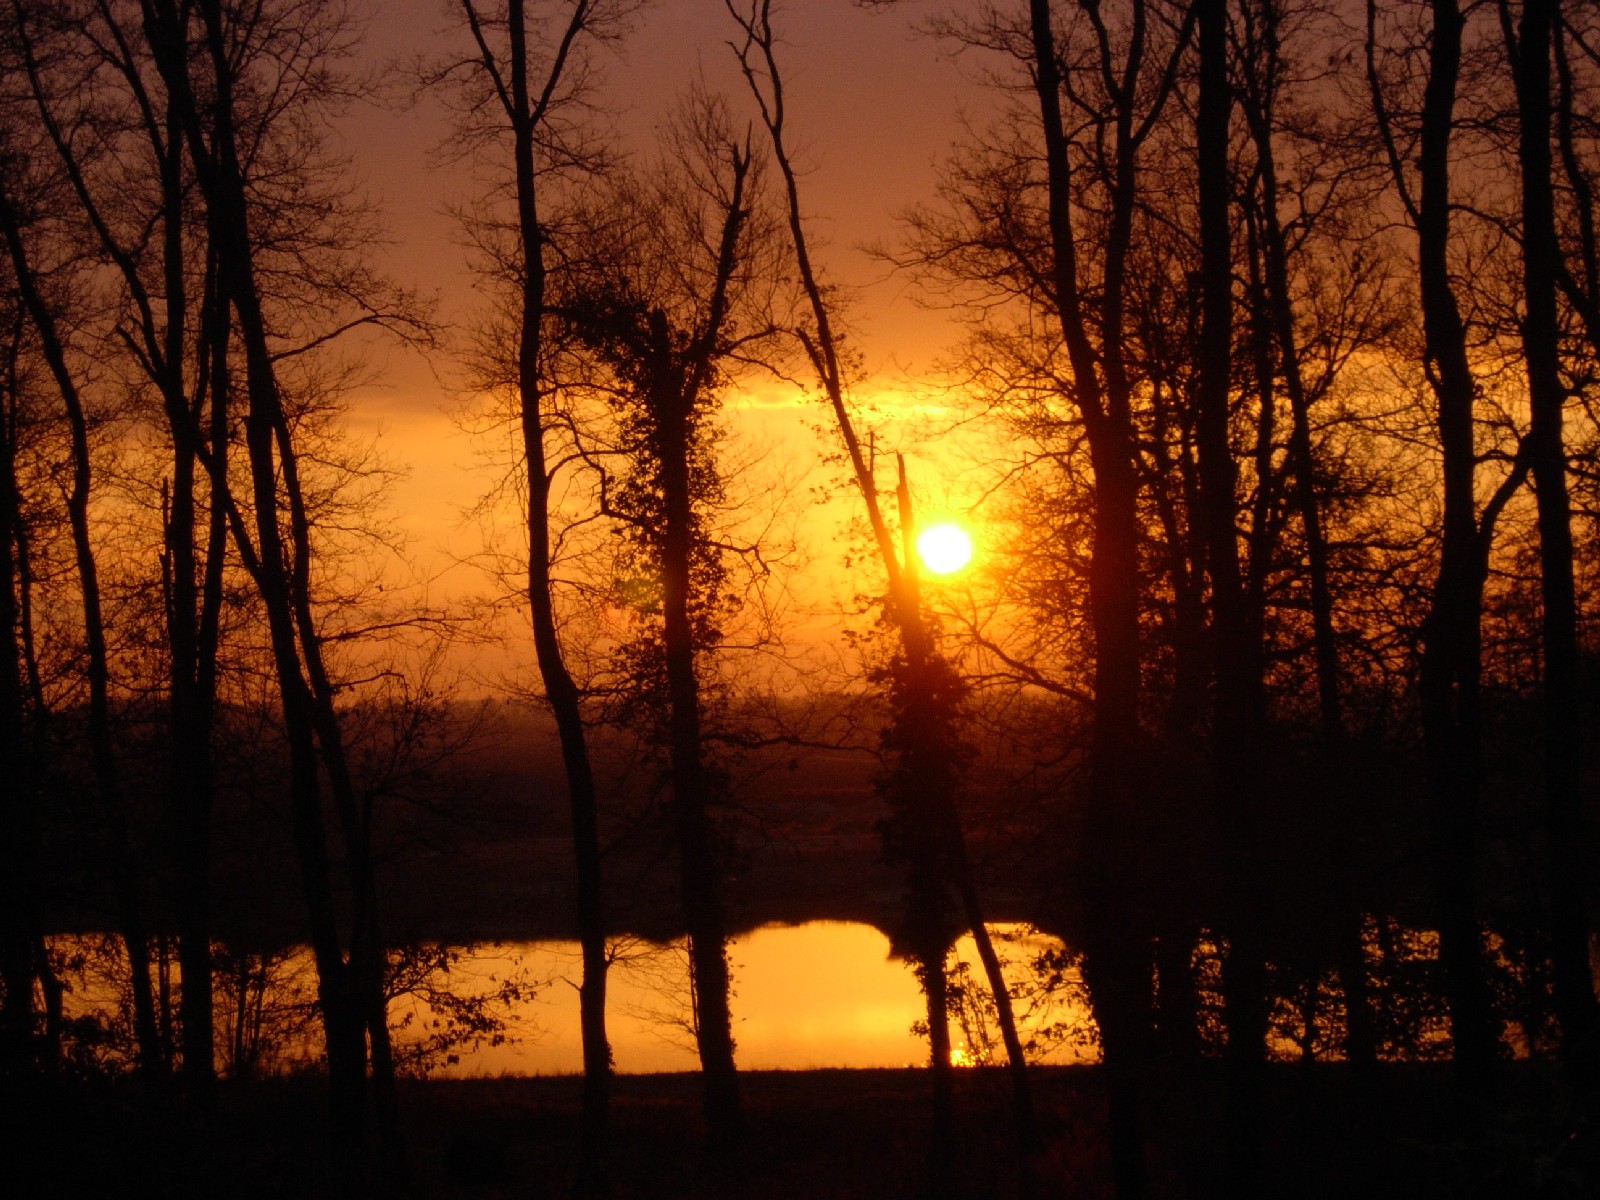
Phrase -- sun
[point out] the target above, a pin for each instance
(944, 548)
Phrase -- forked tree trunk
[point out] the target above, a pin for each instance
(1115, 969)
(1565, 835)
(1451, 658)
(270, 559)
(525, 114)
(560, 690)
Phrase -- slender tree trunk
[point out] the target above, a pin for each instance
(194, 601)
(560, 690)
(904, 610)
(1115, 970)
(269, 560)
(195, 609)
(1277, 313)
(101, 753)
(941, 1118)
(366, 963)
(1237, 732)
(1451, 658)
(20, 940)
(1566, 835)
(1005, 1015)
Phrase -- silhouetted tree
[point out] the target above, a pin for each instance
(17, 222)
(20, 902)
(1072, 261)
(118, 138)
(532, 85)
(1530, 49)
(927, 824)
(670, 307)
(1451, 672)
(229, 78)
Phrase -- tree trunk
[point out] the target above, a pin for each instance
(269, 560)
(941, 1118)
(1116, 971)
(102, 756)
(20, 940)
(699, 871)
(1005, 1016)
(194, 607)
(560, 690)
(1451, 658)
(1565, 834)
(934, 868)
(1237, 730)
(195, 632)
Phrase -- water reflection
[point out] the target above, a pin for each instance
(820, 994)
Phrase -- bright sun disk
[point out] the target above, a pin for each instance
(944, 548)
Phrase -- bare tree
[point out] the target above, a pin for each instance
(1452, 669)
(532, 84)
(1115, 79)
(1530, 49)
(20, 952)
(924, 777)
(229, 80)
(114, 128)
(17, 222)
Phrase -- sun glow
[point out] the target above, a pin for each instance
(944, 548)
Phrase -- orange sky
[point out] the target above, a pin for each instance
(873, 107)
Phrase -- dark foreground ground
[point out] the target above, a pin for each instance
(818, 1134)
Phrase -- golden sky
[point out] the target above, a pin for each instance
(873, 107)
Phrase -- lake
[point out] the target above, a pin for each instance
(818, 994)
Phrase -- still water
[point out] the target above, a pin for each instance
(820, 994)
